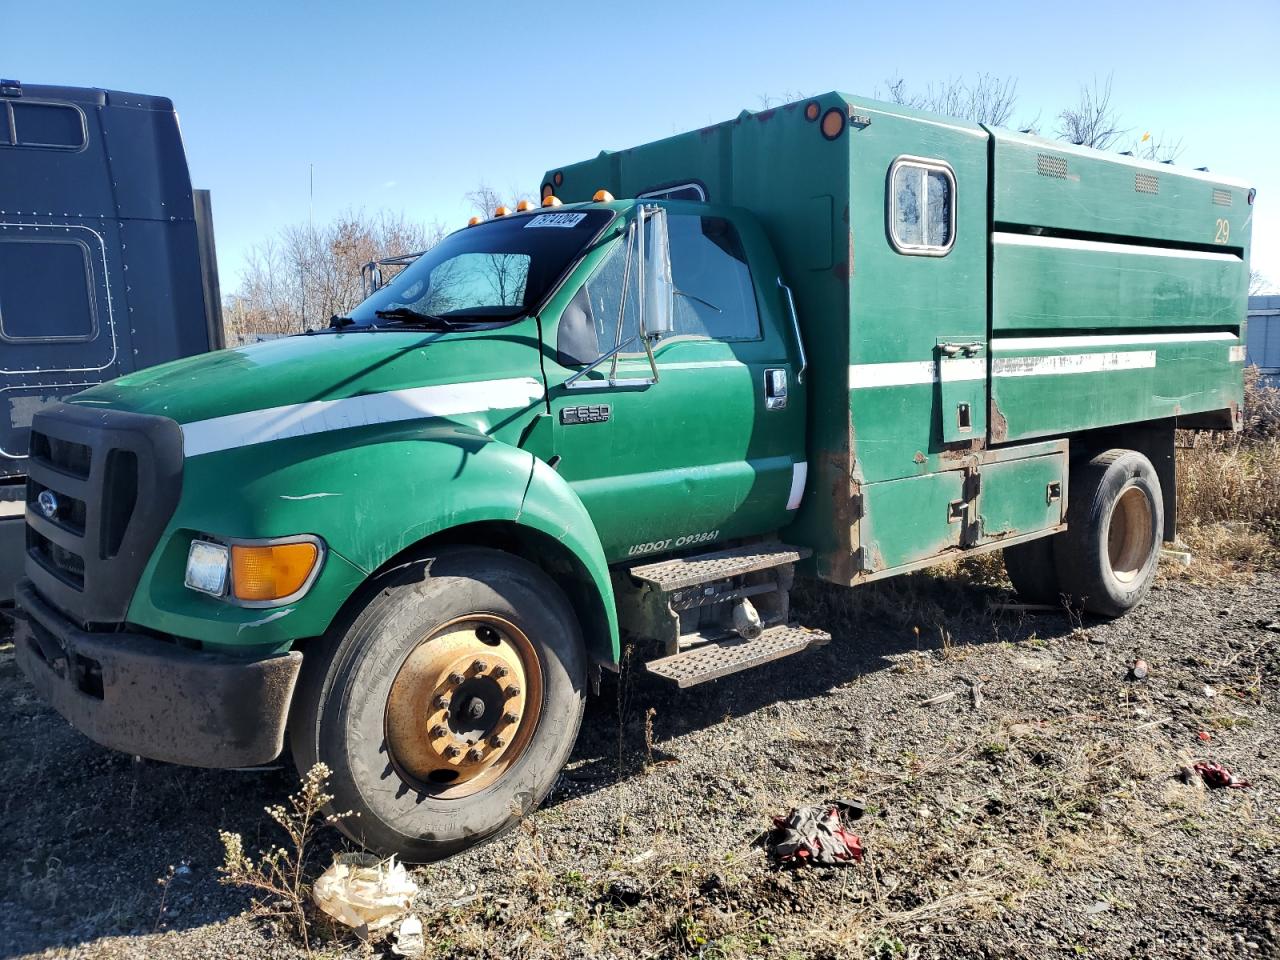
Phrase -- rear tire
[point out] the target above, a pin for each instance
(373, 702)
(1107, 558)
(1032, 571)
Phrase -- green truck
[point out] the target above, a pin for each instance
(839, 339)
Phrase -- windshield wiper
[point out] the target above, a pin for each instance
(337, 323)
(410, 316)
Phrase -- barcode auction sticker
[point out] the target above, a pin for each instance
(556, 220)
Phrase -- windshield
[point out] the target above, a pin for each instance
(495, 271)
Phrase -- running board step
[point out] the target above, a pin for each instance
(723, 657)
(669, 575)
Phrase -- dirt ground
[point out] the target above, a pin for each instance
(1036, 812)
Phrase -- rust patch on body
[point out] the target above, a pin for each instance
(999, 425)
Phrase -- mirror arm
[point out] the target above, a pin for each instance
(611, 355)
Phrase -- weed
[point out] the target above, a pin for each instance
(278, 876)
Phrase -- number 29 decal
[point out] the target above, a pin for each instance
(1223, 233)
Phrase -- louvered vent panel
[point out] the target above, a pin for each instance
(1146, 183)
(1222, 197)
(1047, 165)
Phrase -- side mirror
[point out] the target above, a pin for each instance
(657, 298)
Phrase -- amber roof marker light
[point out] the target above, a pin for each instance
(811, 110)
(602, 196)
(551, 201)
(833, 123)
(524, 206)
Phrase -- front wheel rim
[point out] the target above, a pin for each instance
(463, 706)
(1130, 534)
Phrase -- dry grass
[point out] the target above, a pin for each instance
(1229, 486)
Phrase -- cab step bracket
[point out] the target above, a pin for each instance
(719, 658)
(671, 575)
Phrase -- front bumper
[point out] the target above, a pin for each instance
(143, 696)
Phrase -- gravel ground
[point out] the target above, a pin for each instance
(1036, 812)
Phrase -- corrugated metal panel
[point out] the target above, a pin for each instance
(1262, 345)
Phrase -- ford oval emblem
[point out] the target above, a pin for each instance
(48, 503)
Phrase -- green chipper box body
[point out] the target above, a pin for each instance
(839, 339)
(1083, 290)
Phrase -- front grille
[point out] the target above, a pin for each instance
(101, 487)
(63, 455)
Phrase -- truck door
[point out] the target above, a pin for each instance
(714, 449)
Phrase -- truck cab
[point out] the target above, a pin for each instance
(841, 339)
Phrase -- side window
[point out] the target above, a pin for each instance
(46, 291)
(714, 294)
(922, 207)
(682, 191)
(42, 125)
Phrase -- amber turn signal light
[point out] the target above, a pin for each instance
(833, 123)
(271, 572)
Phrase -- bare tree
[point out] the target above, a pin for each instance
(1257, 283)
(1093, 121)
(484, 199)
(306, 274)
(984, 99)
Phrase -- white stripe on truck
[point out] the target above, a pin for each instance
(321, 416)
(1100, 246)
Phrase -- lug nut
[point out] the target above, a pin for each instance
(512, 691)
(456, 678)
(500, 671)
(441, 702)
(475, 754)
(497, 741)
(439, 730)
(510, 717)
(452, 751)
(479, 666)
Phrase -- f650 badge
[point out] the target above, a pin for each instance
(585, 413)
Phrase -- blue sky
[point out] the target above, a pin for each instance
(405, 106)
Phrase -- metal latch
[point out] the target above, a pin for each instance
(961, 349)
(775, 389)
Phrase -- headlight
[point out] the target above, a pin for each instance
(207, 567)
(254, 573)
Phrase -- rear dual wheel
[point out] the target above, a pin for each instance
(1106, 559)
(445, 705)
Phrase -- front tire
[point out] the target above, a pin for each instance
(1106, 560)
(445, 705)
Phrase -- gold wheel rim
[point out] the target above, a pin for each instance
(463, 706)
(1129, 535)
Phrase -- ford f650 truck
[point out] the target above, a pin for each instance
(839, 339)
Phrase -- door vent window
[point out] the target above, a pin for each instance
(922, 207)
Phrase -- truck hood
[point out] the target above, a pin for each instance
(322, 367)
